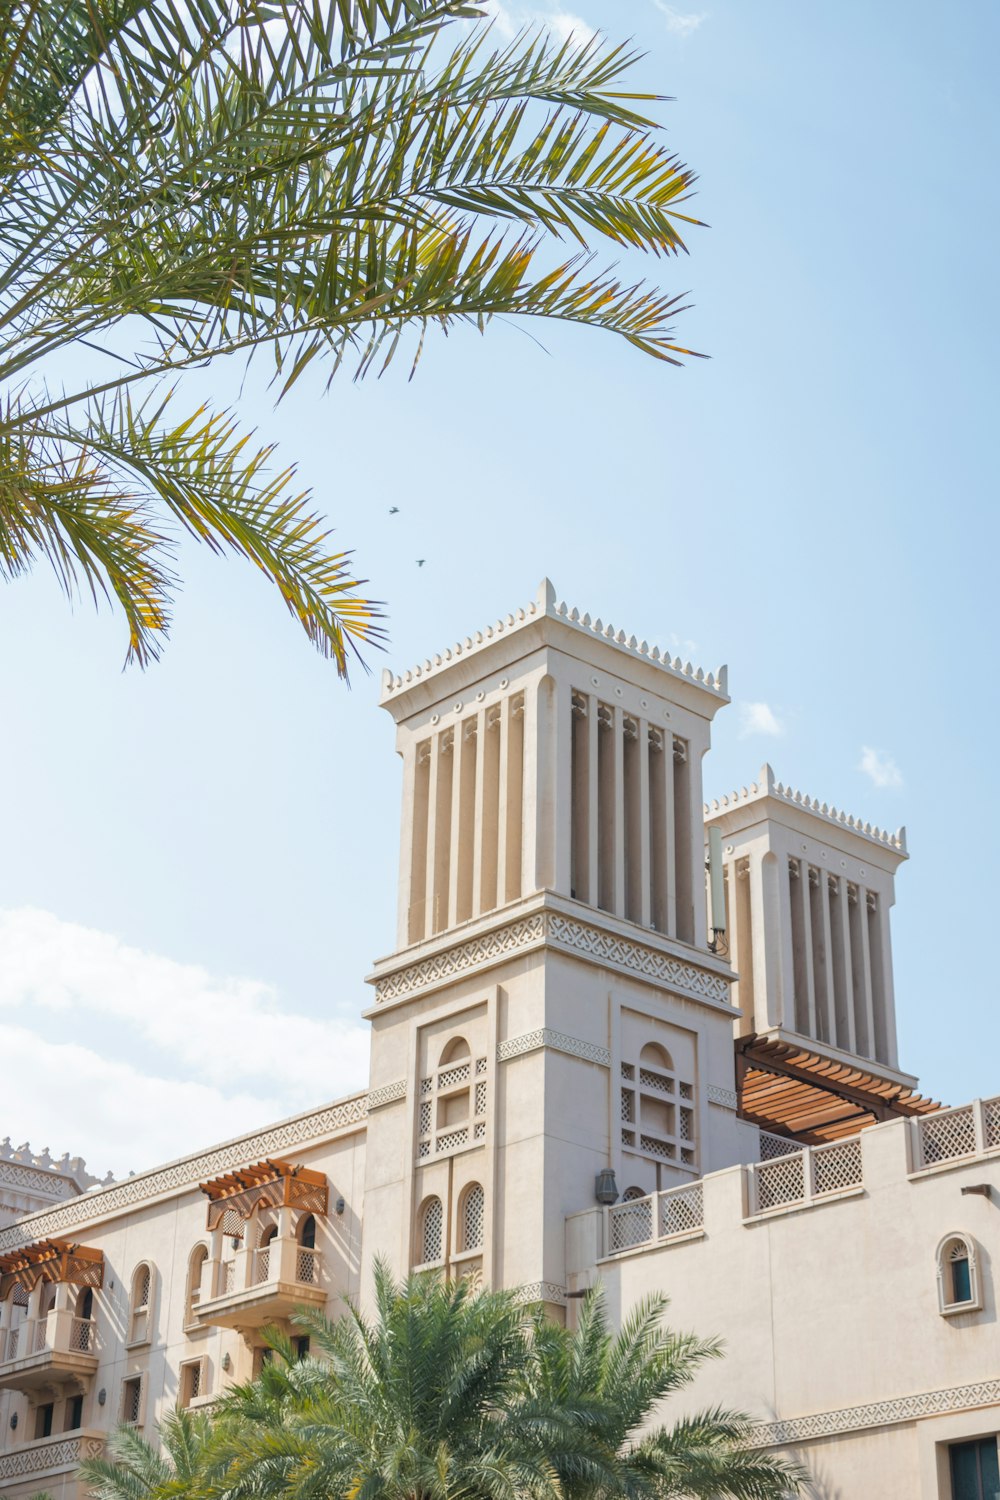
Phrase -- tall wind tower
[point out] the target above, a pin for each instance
(552, 1009)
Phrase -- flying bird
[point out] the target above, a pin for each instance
(394, 510)
(421, 561)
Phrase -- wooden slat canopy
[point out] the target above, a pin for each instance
(50, 1260)
(795, 1092)
(266, 1184)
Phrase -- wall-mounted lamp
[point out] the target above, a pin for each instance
(102, 1396)
(13, 1422)
(235, 1242)
(339, 1206)
(226, 1360)
(605, 1187)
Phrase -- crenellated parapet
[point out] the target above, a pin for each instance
(546, 604)
(767, 785)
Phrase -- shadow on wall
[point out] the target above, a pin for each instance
(819, 1486)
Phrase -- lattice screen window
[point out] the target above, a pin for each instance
(132, 1401)
(657, 1109)
(192, 1382)
(196, 1272)
(473, 1217)
(139, 1306)
(451, 1110)
(431, 1232)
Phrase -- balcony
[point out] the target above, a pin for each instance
(55, 1352)
(261, 1286)
(42, 1461)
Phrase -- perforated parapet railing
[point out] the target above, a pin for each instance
(652, 1220)
(804, 1176)
(952, 1134)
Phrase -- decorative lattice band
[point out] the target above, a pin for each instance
(531, 1041)
(186, 1173)
(387, 1094)
(49, 1456)
(877, 1414)
(563, 932)
(724, 1098)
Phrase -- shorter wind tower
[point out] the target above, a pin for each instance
(808, 892)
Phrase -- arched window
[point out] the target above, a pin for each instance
(431, 1232)
(657, 1057)
(453, 1050)
(631, 1193)
(307, 1232)
(140, 1303)
(196, 1271)
(958, 1274)
(473, 1217)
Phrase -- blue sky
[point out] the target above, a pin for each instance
(208, 850)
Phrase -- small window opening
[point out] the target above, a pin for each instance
(43, 1419)
(74, 1413)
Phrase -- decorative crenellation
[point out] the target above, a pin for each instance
(876, 1414)
(189, 1171)
(724, 1098)
(37, 1458)
(767, 786)
(66, 1166)
(564, 932)
(35, 1180)
(557, 1041)
(389, 1093)
(545, 604)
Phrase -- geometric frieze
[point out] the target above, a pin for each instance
(556, 1041)
(876, 1414)
(34, 1460)
(192, 1170)
(566, 933)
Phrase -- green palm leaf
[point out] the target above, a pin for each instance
(325, 180)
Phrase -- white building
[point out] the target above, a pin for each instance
(561, 1006)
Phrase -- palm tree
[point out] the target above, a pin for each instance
(453, 1393)
(313, 179)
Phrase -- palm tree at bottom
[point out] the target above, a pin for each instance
(451, 1392)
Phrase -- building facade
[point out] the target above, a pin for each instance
(582, 1071)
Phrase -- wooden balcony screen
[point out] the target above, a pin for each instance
(50, 1260)
(234, 1196)
(798, 1093)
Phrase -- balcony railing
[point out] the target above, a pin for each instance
(802, 1177)
(952, 1134)
(36, 1336)
(655, 1219)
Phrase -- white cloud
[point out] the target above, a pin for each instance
(759, 718)
(881, 767)
(125, 1053)
(680, 23)
(509, 19)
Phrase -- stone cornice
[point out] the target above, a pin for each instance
(549, 921)
(180, 1176)
(875, 1414)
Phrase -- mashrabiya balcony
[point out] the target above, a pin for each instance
(48, 1336)
(263, 1262)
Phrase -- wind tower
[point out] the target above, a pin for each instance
(552, 1010)
(808, 894)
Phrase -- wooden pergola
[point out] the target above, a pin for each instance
(798, 1093)
(266, 1184)
(50, 1260)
